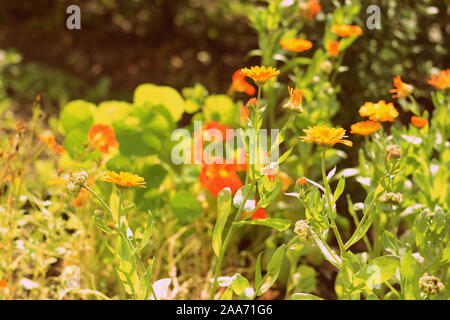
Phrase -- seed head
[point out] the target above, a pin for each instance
(305, 232)
(430, 285)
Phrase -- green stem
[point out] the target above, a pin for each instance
(330, 208)
(228, 239)
(98, 198)
(394, 291)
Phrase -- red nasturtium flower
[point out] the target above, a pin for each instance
(3, 283)
(346, 30)
(333, 48)
(103, 137)
(310, 8)
(239, 84)
(296, 45)
(208, 133)
(260, 213)
(442, 80)
(50, 142)
(402, 89)
(419, 122)
(217, 176)
(380, 111)
(365, 128)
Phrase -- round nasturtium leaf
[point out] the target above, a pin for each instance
(154, 95)
(77, 115)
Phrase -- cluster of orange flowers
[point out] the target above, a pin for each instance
(100, 136)
(50, 142)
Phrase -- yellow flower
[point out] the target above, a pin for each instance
(295, 101)
(260, 74)
(380, 111)
(124, 179)
(324, 136)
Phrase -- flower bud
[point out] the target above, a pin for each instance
(305, 232)
(76, 182)
(430, 285)
(301, 182)
(393, 152)
(252, 103)
(391, 198)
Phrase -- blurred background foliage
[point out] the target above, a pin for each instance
(124, 43)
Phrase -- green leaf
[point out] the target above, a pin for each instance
(220, 108)
(380, 270)
(223, 212)
(185, 206)
(77, 115)
(152, 95)
(273, 269)
(258, 274)
(368, 216)
(74, 142)
(268, 191)
(305, 296)
(109, 111)
(410, 274)
(339, 189)
(114, 205)
(239, 284)
(227, 295)
(276, 223)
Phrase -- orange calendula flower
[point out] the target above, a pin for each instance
(260, 74)
(295, 101)
(239, 84)
(296, 45)
(402, 89)
(102, 137)
(50, 142)
(380, 111)
(365, 128)
(346, 30)
(419, 122)
(442, 80)
(325, 136)
(124, 179)
(333, 48)
(3, 283)
(310, 8)
(217, 176)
